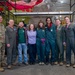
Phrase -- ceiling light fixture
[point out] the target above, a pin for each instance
(61, 1)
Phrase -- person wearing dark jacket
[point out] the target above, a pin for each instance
(22, 44)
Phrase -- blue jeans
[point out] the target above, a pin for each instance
(22, 46)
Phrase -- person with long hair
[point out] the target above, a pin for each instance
(31, 34)
(50, 40)
(41, 42)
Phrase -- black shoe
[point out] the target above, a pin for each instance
(52, 63)
(47, 63)
(19, 64)
(33, 63)
(30, 63)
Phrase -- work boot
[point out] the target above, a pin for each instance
(14, 64)
(68, 65)
(3, 64)
(25, 63)
(61, 63)
(74, 66)
(9, 67)
(42, 63)
(55, 63)
(1, 69)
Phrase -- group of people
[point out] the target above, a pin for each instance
(44, 43)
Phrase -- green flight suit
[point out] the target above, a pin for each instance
(40, 44)
(59, 44)
(50, 42)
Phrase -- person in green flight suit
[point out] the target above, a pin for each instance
(50, 41)
(41, 42)
(59, 42)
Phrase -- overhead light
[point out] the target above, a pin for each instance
(60, 16)
(61, 1)
(23, 19)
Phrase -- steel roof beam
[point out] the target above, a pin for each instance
(41, 13)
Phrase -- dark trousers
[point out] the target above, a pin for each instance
(40, 51)
(32, 53)
(50, 45)
(70, 45)
(11, 53)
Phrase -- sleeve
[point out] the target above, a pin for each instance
(37, 33)
(6, 36)
(54, 33)
(46, 33)
(3, 31)
(26, 36)
(63, 34)
(74, 30)
(2, 34)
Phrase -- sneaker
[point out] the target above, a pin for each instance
(61, 64)
(68, 65)
(74, 66)
(19, 64)
(9, 67)
(2, 69)
(40, 63)
(55, 63)
(26, 63)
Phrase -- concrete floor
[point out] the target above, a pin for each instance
(39, 70)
